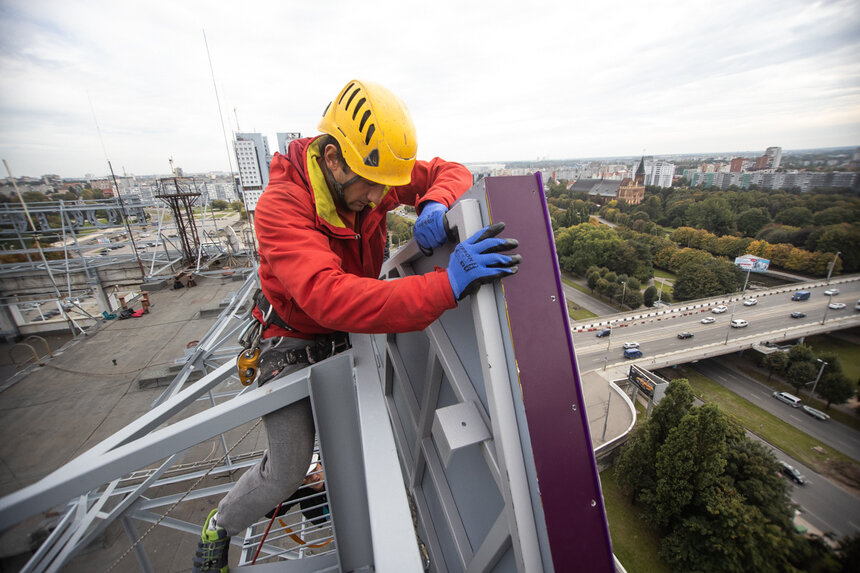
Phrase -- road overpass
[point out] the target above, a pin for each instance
(769, 321)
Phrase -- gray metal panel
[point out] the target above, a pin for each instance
(482, 504)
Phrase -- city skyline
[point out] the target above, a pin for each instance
(486, 82)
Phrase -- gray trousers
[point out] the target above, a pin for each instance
(290, 433)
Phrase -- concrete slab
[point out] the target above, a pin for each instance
(88, 391)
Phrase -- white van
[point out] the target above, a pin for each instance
(789, 399)
(739, 323)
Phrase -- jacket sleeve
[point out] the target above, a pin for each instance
(299, 256)
(435, 180)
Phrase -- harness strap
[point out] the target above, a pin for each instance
(268, 311)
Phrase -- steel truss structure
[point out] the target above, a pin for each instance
(86, 268)
(479, 420)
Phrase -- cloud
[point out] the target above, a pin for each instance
(484, 80)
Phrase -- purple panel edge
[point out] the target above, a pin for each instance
(573, 542)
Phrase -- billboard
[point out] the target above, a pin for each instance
(752, 263)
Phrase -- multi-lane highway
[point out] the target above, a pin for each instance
(838, 436)
(824, 504)
(768, 320)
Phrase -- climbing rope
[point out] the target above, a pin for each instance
(178, 501)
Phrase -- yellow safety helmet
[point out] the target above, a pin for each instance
(375, 132)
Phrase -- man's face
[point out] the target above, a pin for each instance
(358, 191)
(358, 194)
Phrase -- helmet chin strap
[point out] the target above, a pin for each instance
(338, 187)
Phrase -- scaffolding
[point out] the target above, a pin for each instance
(87, 246)
(478, 423)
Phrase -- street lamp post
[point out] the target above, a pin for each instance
(817, 378)
(623, 290)
(608, 344)
(832, 265)
(829, 301)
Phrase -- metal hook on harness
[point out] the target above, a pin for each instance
(247, 362)
(249, 357)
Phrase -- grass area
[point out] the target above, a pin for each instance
(634, 543)
(569, 282)
(641, 410)
(786, 437)
(576, 312)
(667, 288)
(848, 352)
(661, 274)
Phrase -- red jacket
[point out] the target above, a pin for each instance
(320, 275)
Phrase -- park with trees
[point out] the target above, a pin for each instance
(695, 235)
(714, 497)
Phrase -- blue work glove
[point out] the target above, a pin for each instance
(429, 229)
(476, 261)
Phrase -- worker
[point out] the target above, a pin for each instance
(321, 228)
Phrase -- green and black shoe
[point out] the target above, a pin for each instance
(212, 548)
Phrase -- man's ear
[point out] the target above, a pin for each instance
(331, 158)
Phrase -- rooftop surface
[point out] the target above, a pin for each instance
(95, 385)
(92, 387)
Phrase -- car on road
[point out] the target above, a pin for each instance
(751, 302)
(719, 309)
(631, 345)
(789, 399)
(684, 335)
(836, 305)
(708, 320)
(831, 292)
(603, 332)
(739, 323)
(632, 353)
(798, 314)
(815, 413)
(791, 473)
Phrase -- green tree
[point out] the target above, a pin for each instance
(710, 277)
(833, 216)
(237, 205)
(801, 353)
(712, 214)
(801, 373)
(795, 216)
(34, 197)
(835, 387)
(752, 221)
(726, 536)
(593, 277)
(582, 246)
(220, 204)
(633, 299)
(635, 469)
(649, 296)
(90, 193)
(776, 362)
(689, 463)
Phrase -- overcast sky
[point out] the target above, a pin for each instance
(486, 81)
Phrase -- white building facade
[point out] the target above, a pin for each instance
(252, 158)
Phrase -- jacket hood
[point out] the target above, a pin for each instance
(295, 167)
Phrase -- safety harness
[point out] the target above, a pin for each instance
(320, 348)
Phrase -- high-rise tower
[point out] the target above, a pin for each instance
(253, 158)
